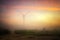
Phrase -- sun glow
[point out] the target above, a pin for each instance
(31, 18)
(30, 14)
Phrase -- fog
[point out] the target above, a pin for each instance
(30, 15)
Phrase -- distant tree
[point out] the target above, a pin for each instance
(3, 31)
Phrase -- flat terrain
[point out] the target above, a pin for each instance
(28, 37)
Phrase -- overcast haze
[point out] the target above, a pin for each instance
(38, 14)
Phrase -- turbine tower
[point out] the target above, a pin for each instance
(24, 16)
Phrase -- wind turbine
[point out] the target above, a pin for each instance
(24, 16)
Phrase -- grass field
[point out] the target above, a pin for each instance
(31, 35)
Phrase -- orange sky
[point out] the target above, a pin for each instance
(40, 12)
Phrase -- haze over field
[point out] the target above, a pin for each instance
(30, 14)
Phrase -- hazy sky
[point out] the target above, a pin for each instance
(30, 14)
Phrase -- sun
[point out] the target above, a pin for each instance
(39, 17)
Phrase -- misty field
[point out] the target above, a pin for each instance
(31, 35)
